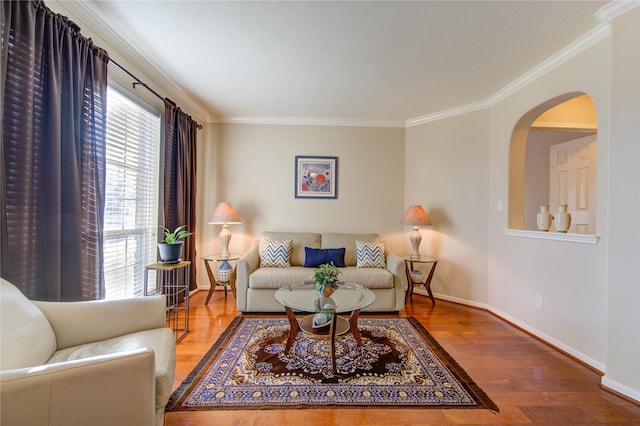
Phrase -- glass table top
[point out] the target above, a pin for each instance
(219, 258)
(347, 298)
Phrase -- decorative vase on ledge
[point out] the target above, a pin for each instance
(544, 218)
(562, 219)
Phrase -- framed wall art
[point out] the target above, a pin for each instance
(316, 177)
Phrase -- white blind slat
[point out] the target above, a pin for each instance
(131, 207)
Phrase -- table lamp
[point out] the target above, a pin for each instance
(415, 216)
(224, 214)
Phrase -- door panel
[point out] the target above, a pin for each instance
(572, 181)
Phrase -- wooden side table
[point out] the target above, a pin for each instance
(213, 281)
(408, 263)
(172, 281)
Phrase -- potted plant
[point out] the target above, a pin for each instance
(326, 278)
(326, 282)
(171, 248)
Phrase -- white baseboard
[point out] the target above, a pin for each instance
(606, 383)
(533, 331)
(616, 387)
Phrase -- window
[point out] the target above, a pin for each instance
(131, 205)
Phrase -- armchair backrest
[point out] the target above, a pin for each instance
(26, 337)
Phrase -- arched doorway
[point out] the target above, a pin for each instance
(542, 136)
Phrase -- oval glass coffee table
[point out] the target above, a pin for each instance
(347, 299)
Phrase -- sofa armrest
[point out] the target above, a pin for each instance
(245, 266)
(396, 266)
(113, 389)
(76, 323)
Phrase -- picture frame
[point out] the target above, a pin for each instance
(316, 177)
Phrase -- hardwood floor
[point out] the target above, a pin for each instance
(530, 382)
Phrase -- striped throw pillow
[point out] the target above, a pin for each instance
(370, 255)
(276, 254)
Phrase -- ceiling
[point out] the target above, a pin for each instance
(382, 63)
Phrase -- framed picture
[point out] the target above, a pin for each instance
(316, 177)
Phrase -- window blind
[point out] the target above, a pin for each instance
(131, 206)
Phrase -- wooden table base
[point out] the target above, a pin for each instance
(294, 328)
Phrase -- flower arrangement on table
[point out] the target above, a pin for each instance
(326, 278)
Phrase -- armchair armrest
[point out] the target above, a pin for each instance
(245, 266)
(396, 266)
(113, 389)
(76, 323)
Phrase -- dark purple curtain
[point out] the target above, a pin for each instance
(180, 178)
(52, 165)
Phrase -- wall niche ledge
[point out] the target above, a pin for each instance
(557, 236)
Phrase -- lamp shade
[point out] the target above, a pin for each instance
(224, 213)
(416, 216)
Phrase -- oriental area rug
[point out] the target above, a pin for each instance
(399, 365)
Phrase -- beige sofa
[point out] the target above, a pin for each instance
(84, 363)
(256, 286)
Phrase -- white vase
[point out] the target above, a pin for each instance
(544, 218)
(562, 218)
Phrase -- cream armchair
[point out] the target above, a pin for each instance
(84, 363)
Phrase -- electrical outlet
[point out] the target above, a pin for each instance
(539, 302)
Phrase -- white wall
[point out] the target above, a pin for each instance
(623, 257)
(447, 171)
(256, 175)
(570, 276)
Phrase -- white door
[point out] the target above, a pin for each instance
(573, 181)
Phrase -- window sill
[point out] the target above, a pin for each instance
(557, 236)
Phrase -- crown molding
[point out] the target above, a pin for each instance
(581, 44)
(451, 112)
(616, 8)
(311, 121)
(598, 33)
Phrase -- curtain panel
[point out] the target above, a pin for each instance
(53, 110)
(180, 178)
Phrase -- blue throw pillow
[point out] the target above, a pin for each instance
(316, 257)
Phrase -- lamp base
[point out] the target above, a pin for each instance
(415, 239)
(225, 237)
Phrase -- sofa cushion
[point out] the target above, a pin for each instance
(276, 253)
(300, 240)
(274, 278)
(159, 339)
(370, 255)
(316, 257)
(20, 321)
(348, 241)
(372, 278)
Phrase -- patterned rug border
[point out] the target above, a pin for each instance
(175, 401)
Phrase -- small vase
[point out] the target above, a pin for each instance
(224, 272)
(544, 218)
(328, 291)
(562, 218)
(417, 277)
(324, 306)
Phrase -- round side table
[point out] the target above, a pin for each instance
(408, 263)
(226, 273)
